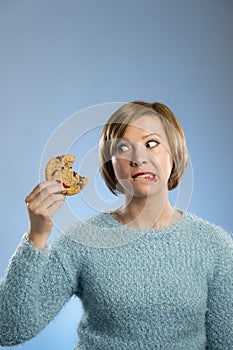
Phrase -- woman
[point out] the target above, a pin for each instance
(169, 286)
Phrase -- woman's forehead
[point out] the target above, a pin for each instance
(145, 125)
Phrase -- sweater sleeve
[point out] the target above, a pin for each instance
(35, 287)
(219, 321)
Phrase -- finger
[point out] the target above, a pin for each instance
(36, 190)
(45, 209)
(51, 190)
(55, 206)
(37, 204)
(52, 199)
(42, 187)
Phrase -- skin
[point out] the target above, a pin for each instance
(144, 148)
(45, 199)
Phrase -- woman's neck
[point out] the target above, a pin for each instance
(147, 214)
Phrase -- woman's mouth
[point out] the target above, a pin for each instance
(145, 175)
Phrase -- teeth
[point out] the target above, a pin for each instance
(147, 175)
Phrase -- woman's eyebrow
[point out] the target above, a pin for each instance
(152, 134)
(143, 137)
(123, 138)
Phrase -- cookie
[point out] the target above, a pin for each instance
(60, 168)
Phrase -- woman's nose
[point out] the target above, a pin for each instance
(139, 156)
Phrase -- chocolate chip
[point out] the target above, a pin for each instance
(59, 158)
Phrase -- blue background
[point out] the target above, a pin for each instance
(58, 57)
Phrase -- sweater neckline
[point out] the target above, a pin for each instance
(116, 224)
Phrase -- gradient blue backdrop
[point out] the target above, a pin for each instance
(58, 57)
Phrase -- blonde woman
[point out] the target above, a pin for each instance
(169, 285)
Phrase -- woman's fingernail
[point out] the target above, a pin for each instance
(58, 181)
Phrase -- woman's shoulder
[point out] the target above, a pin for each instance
(94, 231)
(90, 223)
(205, 229)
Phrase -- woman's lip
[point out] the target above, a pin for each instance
(143, 173)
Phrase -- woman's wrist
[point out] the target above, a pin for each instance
(38, 241)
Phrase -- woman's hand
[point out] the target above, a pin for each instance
(46, 198)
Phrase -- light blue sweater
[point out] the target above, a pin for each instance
(169, 288)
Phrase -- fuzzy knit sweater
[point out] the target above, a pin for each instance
(169, 288)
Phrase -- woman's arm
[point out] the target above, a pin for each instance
(219, 321)
(36, 285)
(38, 280)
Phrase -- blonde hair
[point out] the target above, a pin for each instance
(115, 128)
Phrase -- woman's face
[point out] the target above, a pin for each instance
(142, 161)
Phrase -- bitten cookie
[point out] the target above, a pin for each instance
(60, 168)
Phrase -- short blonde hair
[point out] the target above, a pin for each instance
(115, 128)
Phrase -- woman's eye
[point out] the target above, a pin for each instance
(123, 148)
(152, 143)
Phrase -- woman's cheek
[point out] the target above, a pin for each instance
(118, 167)
(167, 166)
